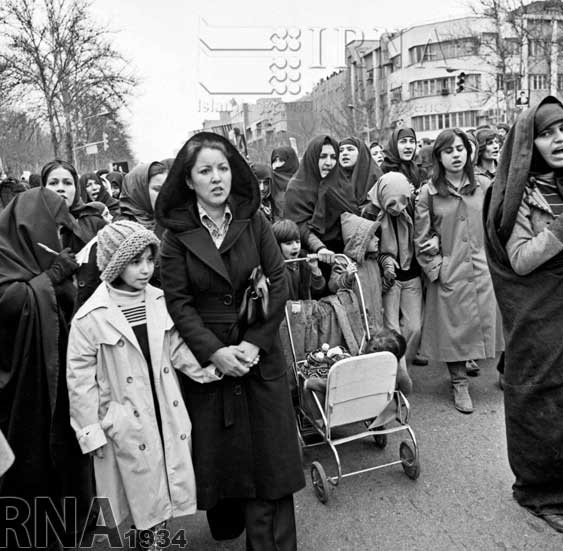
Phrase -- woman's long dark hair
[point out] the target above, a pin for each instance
(445, 139)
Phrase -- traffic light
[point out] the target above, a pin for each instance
(105, 141)
(460, 82)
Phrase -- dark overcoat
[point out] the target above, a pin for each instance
(244, 433)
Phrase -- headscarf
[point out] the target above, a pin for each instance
(176, 205)
(103, 195)
(134, 200)
(305, 196)
(283, 174)
(32, 219)
(86, 222)
(365, 172)
(116, 178)
(77, 203)
(518, 158)
(392, 161)
(399, 243)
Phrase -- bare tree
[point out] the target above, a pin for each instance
(59, 63)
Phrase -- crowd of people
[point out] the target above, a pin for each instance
(126, 322)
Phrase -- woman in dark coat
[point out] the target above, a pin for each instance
(245, 450)
(524, 240)
(284, 163)
(36, 302)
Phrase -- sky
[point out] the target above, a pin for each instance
(193, 58)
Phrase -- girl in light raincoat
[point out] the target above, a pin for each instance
(125, 402)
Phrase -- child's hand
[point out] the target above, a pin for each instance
(431, 247)
(313, 264)
(351, 271)
(388, 279)
(98, 452)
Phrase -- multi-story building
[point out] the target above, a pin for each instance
(464, 72)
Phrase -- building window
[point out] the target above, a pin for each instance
(396, 63)
(442, 86)
(432, 51)
(538, 82)
(511, 80)
(396, 94)
(441, 121)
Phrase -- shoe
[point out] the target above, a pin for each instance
(462, 400)
(555, 521)
(419, 360)
(472, 368)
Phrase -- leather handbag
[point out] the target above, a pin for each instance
(255, 301)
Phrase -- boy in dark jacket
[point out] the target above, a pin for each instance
(304, 279)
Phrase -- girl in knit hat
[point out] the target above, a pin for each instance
(125, 402)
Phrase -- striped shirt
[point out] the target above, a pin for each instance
(550, 192)
(217, 232)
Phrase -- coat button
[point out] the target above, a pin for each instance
(142, 447)
(237, 390)
(228, 300)
(136, 413)
(462, 218)
(183, 436)
(129, 379)
(166, 369)
(81, 284)
(175, 403)
(120, 342)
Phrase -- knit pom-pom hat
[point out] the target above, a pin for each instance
(119, 243)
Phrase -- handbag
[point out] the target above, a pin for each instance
(255, 300)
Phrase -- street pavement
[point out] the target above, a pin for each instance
(462, 500)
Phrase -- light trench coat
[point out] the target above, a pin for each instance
(111, 404)
(461, 317)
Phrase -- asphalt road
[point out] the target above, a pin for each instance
(462, 500)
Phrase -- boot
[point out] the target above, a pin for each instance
(460, 387)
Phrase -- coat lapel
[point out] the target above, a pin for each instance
(235, 230)
(101, 299)
(199, 242)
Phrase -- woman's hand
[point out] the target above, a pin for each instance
(431, 247)
(351, 271)
(325, 255)
(251, 353)
(98, 452)
(230, 360)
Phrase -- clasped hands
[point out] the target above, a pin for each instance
(236, 361)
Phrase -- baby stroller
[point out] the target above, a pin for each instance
(360, 390)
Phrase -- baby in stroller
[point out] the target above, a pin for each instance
(387, 340)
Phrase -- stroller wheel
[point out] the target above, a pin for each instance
(320, 481)
(409, 459)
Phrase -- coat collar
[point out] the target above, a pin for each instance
(158, 319)
(199, 242)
